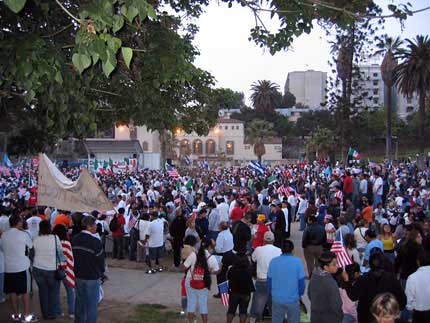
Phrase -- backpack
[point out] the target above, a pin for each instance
(113, 225)
(198, 278)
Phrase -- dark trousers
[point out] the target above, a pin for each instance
(118, 247)
(49, 291)
(126, 244)
(421, 316)
(238, 300)
(134, 237)
(177, 246)
(227, 261)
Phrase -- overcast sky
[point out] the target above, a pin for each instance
(236, 62)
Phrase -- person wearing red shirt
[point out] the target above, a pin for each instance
(237, 212)
(262, 228)
(32, 201)
(118, 235)
(347, 186)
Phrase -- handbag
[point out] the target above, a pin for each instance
(59, 273)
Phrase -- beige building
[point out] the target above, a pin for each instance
(225, 144)
(309, 87)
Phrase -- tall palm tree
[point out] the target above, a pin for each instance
(265, 95)
(256, 132)
(387, 47)
(412, 75)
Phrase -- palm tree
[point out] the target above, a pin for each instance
(256, 132)
(412, 75)
(265, 96)
(387, 47)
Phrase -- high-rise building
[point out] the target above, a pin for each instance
(373, 86)
(309, 87)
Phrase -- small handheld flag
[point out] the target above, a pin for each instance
(342, 256)
(353, 153)
(223, 291)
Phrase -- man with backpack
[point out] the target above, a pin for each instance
(116, 226)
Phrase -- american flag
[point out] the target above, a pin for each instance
(343, 259)
(171, 171)
(339, 195)
(282, 190)
(223, 291)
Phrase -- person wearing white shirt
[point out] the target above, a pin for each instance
(293, 202)
(418, 290)
(142, 245)
(378, 189)
(155, 240)
(224, 242)
(33, 224)
(363, 185)
(48, 253)
(16, 245)
(4, 221)
(262, 256)
(303, 205)
(223, 209)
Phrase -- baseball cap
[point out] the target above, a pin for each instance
(269, 236)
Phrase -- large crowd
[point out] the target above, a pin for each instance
(233, 224)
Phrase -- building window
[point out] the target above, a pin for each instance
(247, 147)
(145, 146)
(210, 147)
(226, 127)
(375, 83)
(185, 147)
(375, 74)
(133, 133)
(237, 127)
(409, 100)
(197, 147)
(375, 101)
(232, 127)
(229, 147)
(409, 109)
(375, 91)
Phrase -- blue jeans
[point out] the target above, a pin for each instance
(49, 292)
(70, 297)
(87, 297)
(302, 221)
(196, 297)
(292, 310)
(1, 287)
(376, 200)
(259, 299)
(348, 318)
(213, 235)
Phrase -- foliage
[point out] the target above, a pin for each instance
(288, 100)
(412, 75)
(257, 131)
(225, 98)
(309, 121)
(265, 96)
(322, 141)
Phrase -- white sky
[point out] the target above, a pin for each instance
(236, 62)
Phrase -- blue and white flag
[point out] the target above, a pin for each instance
(255, 165)
(205, 164)
(7, 161)
(187, 160)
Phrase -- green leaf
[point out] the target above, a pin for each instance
(118, 22)
(110, 63)
(59, 77)
(131, 13)
(151, 12)
(15, 5)
(81, 61)
(114, 44)
(127, 54)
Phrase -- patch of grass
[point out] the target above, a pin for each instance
(153, 313)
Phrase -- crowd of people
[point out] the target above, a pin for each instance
(233, 224)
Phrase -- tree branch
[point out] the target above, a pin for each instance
(58, 32)
(67, 11)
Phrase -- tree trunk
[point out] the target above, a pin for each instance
(163, 145)
(422, 115)
(388, 138)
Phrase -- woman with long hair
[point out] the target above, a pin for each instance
(69, 281)
(389, 242)
(406, 260)
(198, 267)
(48, 254)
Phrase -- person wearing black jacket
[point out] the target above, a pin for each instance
(240, 288)
(406, 260)
(372, 283)
(313, 240)
(177, 232)
(89, 269)
(242, 233)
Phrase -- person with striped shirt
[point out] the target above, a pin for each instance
(69, 282)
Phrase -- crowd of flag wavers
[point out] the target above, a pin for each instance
(364, 231)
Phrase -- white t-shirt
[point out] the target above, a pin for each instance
(378, 186)
(14, 243)
(263, 256)
(45, 256)
(156, 233)
(223, 210)
(143, 229)
(190, 262)
(33, 226)
(359, 234)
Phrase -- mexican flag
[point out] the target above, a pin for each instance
(189, 184)
(354, 153)
(271, 179)
(96, 164)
